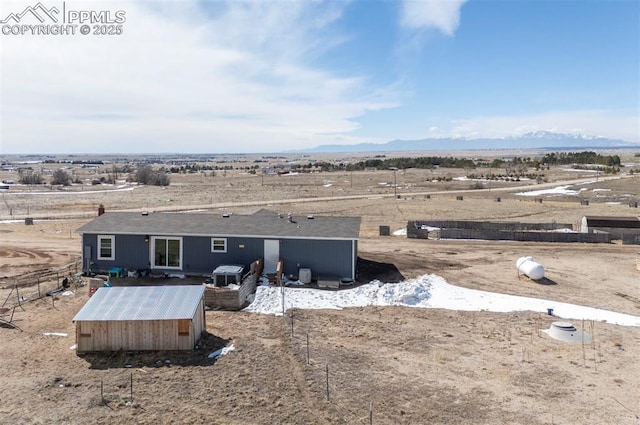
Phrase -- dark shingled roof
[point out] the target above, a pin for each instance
(204, 224)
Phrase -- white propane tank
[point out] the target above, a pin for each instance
(530, 268)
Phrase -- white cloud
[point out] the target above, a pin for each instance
(184, 77)
(442, 15)
(623, 125)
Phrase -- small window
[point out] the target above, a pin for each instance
(218, 245)
(85, 330)
(106, 247)
(183, 327)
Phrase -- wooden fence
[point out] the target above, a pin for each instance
(234, 299)
(510, 231)
(35, 285)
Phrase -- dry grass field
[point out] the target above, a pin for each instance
(391, 365)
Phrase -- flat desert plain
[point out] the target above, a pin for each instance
(381, 365)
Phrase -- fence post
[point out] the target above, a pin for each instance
(292, 310)
(282, 291)
(327, 381)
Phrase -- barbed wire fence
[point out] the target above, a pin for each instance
(331, 383)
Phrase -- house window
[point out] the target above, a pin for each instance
(218, 245)
(106, 247)
(183, 327)
(167, 252)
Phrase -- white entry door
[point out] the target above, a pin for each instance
(271, 255)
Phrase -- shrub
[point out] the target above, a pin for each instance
(61, 177)
(146, 175)
(31, 178)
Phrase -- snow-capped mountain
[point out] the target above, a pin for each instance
(541, 139)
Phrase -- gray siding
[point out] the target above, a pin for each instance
(132, 252)
(198, 258)
(336, 257)
(322, 257)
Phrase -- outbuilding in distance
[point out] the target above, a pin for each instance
(141, 318)
(626, 229)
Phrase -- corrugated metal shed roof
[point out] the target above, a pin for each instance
(203, 224)
(142, 303)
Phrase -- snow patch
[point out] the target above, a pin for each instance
(427, 291)
(560, 190)
(221, 352)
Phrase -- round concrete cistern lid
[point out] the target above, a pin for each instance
(567, 332)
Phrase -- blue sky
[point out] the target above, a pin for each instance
(266, 76)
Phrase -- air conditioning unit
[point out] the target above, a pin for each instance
(304, 275)
(227, 274)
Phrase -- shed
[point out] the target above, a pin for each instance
(141, 318)
(625, 228)
(197, 243)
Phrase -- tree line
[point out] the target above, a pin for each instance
(586, 157)
(144, 174)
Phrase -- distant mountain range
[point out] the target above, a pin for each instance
(532, 140)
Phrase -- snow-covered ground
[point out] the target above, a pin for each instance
(108, 188)
(400, 232)
(559, 190)
(562, 190)
(427, 291)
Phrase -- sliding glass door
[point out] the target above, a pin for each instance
(167, 252)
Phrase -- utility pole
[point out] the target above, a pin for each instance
(395, 187)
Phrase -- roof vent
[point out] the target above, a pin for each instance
(310, 217)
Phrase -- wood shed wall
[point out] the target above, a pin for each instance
(199, 323)
(143, 335)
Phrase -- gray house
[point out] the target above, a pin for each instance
(197, 243)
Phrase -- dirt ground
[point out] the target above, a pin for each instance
(391, 365)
